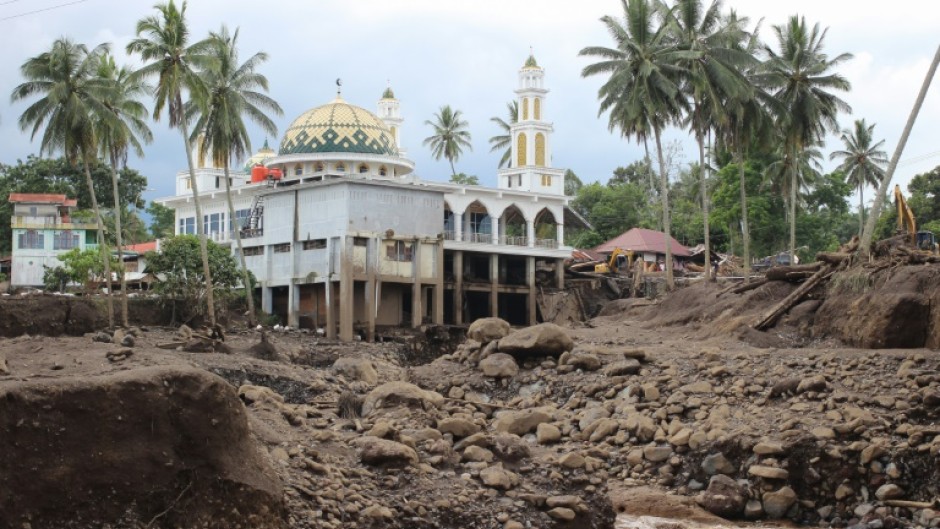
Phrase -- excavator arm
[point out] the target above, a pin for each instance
(905, 215)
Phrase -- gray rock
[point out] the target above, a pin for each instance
(544, 339)
(375, 451)
(777, 503)
(717, 464)
(657, 454)
(356, 369)
(724, 497)
(889, 491)
(499, 365)
(485, 330)
(629, 366)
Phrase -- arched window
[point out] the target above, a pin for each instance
(341, 167)
(363, 169)
(383, 171)
(298, 170)
(540, 150)
(319, 167)
(525, 108)
(520, 149)
(537, 109)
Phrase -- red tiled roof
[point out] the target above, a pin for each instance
(643, 240)
(142, 247)
(43, 198)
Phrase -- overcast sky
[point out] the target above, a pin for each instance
(467, 54)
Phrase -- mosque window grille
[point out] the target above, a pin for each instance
(250, 251)
(281, 248)
(363, 169)
(315, 244)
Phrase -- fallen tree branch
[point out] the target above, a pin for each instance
(771, 316)
(749, 286)
(782, 273)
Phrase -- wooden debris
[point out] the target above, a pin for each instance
(768, 318)
(833, 257)
(750, 286)
(792, 273)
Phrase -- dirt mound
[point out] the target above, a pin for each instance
(894, 307)
(50, 316)
(156, 446)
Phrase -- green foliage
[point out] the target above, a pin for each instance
(924, 199)
(503, 141)
(162, 219)
(85, 267)
(461, 178)
(450, 136)
(56, 175)
(183, 285)
(573, 184)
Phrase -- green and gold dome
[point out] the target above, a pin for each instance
(338, 127)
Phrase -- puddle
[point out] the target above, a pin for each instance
(627, 521)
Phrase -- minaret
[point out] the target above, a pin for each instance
(531, 158)
(390, 113)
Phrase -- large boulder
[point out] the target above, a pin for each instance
(724, 497)
(544, 339)
(397, 393)
(486, 330)
(499, 365)
(356, 369)
(520, 422)
(129, 444)
(376, 451)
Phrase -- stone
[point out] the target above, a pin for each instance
(547, 433)
(753, 510)
(823, 432)
(102, 337)
(509, 447)
(544, 339)
(375, 451)
(356, 369)
(457, 426)
(681, 438)
(394, 393)
(889, 491)
(520, 422)
(650, 392)
(769, 448)
(562, 513)
(568, 500)
(656, 454)
(378, 512)
(603, 428)
(629, 366)
(697, 387)
(872, 452)
(571, 460)
(717, 464)
(724, 497)
(590, 416)
(478, 454)
(816, 384)
(498, 478)
(128, 341)
(485, 330)
(512, 524)
(4, 368)
(766, 472)
(584, 361)
(499, 365)
(777, 503)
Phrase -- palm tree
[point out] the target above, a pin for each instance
(163, 42)
(450, 136)
(642, 92)
(778, 175)
(235, 91)
(713, 74)
(862, 162)
(503, 142)
(72, 99)
(802, 76)
(121, 129)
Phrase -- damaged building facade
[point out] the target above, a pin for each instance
(347, 238)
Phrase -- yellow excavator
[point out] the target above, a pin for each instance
(618, 259)
(923, 240)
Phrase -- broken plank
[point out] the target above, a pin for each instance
(771, 316)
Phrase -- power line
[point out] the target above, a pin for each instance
(40, 10)
(8, 2)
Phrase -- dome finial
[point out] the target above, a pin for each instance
(530, 62)
(388, 94)
(339, 88)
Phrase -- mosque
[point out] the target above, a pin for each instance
(342, 235)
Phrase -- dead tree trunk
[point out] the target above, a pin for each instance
(771, 316)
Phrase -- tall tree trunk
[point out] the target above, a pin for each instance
(865, 246)
(664, 189)
(200, 229)
(452, 170)
(102, 243)
(649, 178)
(745, 228)
(794, 180)
(704, 190)
(119, 238)
(249, 293)
(861, 209)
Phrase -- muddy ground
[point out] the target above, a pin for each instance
(653, 402)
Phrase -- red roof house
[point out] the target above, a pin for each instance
(642, 240)
(43, 198)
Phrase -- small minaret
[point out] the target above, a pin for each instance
(390, 113)
(531, 158)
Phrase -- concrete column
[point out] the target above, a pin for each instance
(330, 309)
(560, 232)
(458, 226)
(494, 285)
(416, 301)
(293, 305)
(458, 287)
(267, 300)
(559, 273)
(530, 282)
(494, 229)
(438, 316)
(346, 300)
(530, 233)
(371, 260)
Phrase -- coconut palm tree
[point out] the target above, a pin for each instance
(503, 142)
(71, 100)
(642, 92)
(450, 136)
(713, 74)
(778, 175)
(235, 91)
(163, 43)
(862, 163)
(121, 129)
(804, 82)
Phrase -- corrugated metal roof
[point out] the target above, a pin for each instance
(643, 240)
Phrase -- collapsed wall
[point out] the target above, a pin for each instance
(161, 447)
